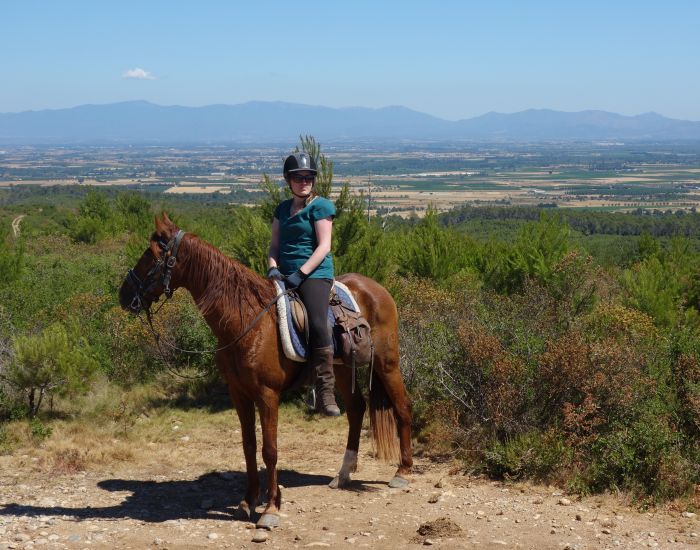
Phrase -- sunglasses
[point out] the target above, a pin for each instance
(303, 179)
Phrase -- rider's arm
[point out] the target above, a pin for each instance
(324, 231)
(273, 254)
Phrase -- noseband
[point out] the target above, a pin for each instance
(165, 264)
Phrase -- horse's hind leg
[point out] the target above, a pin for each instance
(268, 406)
(390, 373)
(355, 410)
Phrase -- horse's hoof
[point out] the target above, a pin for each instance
(398, 482)
(242, 513)
(268, 521)
(339, 482)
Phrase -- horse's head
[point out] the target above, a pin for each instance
(150, 277)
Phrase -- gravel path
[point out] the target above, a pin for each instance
(146, 503)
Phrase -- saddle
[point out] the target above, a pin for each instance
(352, 339)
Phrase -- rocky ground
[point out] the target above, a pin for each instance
(180, 491)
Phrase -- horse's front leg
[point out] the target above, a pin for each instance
(246, 414)
(268, 407)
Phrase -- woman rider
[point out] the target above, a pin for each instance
(300, 253)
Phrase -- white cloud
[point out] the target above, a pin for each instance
(138, 74)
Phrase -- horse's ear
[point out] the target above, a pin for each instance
(161, 225)
(166, 220)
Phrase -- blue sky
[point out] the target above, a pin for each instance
(447, 58)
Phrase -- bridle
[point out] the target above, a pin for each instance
(165, 265)
(160, 273)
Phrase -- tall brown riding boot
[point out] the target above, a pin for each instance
(322, 363)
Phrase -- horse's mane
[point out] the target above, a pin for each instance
(224, 282)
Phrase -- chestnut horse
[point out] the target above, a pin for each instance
(230, 297)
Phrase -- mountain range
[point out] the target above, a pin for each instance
(267, 122)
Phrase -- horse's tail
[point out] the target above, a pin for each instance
(382, 421)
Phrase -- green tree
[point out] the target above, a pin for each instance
(49, 363)
(135, 211)
(249, 241)
(432, 251)
(11, 260)
(95, 205)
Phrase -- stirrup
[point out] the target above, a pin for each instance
(310, 400)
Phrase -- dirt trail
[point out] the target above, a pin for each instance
(15, 225)
(183, 493)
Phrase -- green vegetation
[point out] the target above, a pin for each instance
(557, 346)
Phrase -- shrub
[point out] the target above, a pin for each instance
(434, 252)
(534, 455)
(49, 363)
(87, 230)
(39, 430)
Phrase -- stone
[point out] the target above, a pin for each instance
(434, 498)
(564, 502)
(260, 535)
(537, 500)
(428, 542)
(688, 514)
(212, 536)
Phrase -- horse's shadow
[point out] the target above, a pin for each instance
(214, 495)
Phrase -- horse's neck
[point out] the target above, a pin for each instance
(226, 292)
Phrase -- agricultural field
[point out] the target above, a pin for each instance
(400, 179)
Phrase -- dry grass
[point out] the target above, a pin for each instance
(112, 429)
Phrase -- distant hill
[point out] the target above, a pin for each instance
(143, 122)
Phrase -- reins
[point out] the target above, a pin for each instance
(238, 338)
(166, 264)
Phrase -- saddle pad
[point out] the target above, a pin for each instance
(293, 343)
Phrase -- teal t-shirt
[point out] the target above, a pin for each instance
(298, 236)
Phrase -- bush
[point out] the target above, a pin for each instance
(537, 250)
(642, 457)
(533, 455)
(50, 363)
(431, 251)
(11, 260)
(87, 230)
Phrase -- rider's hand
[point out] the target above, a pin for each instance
(296, 278)
(275, 274)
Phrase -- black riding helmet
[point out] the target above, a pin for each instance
(299, 162)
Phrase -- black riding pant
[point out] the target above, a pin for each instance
(315, 294)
